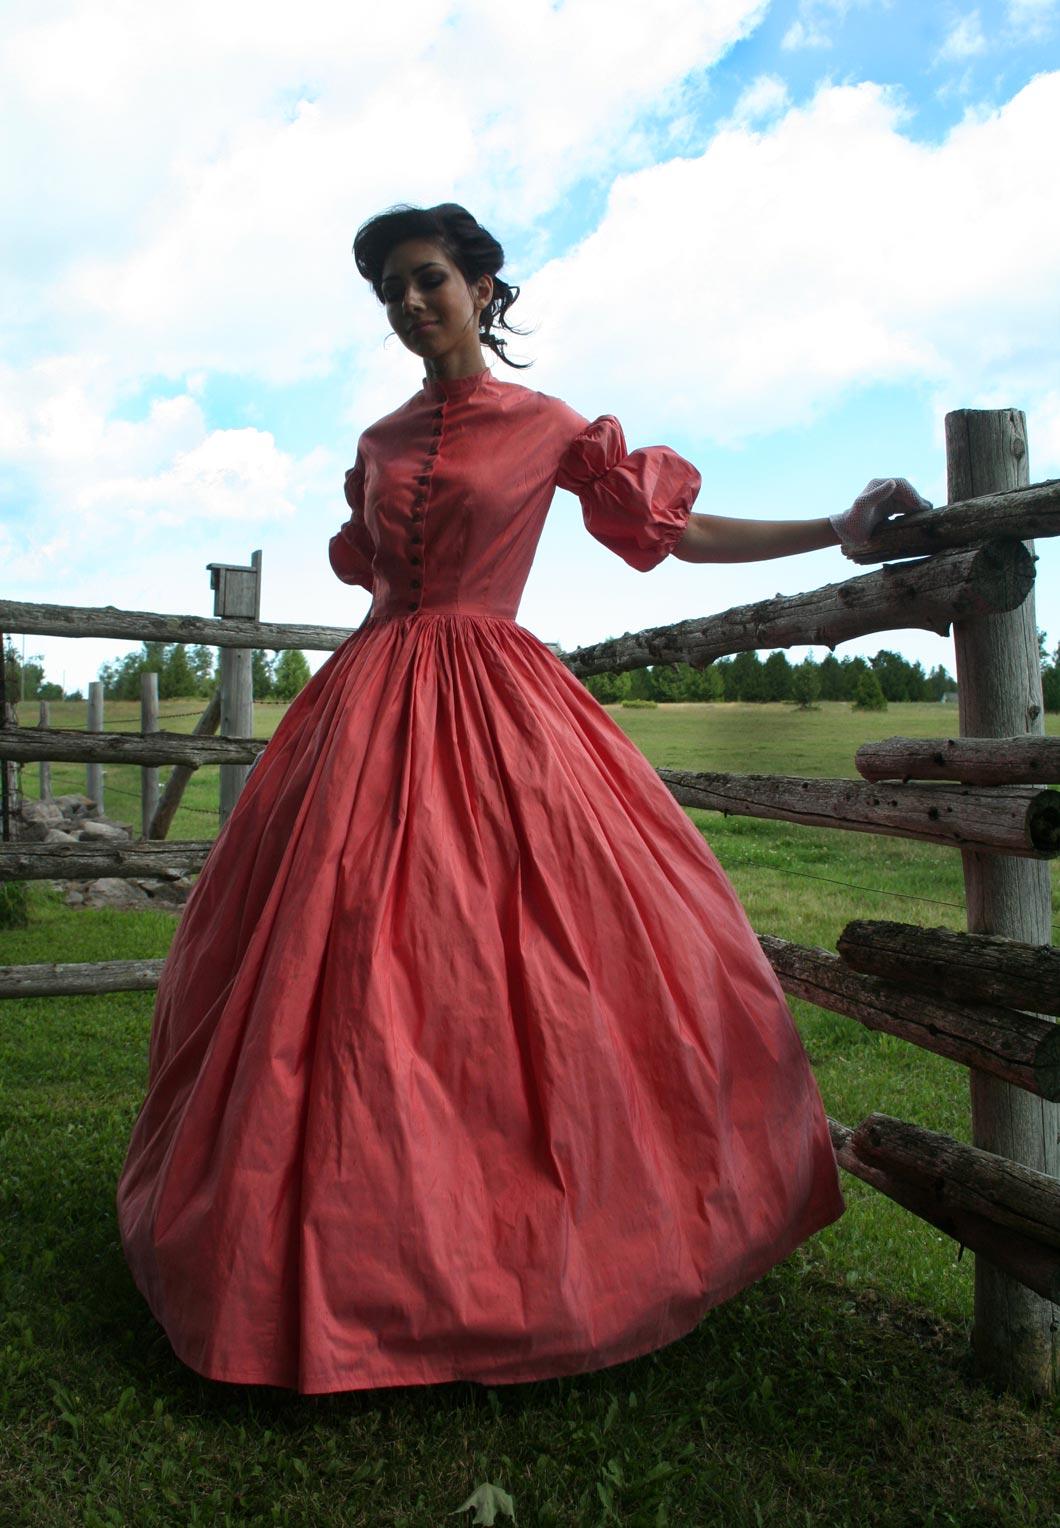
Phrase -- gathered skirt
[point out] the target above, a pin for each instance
(466, 1062)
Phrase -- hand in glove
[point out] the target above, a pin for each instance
(876, 503)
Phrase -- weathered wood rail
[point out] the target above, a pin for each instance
(28, 744)
(1030, 1259)
(1023, 513)
(1020, 821)
(977, 967)
(972, 760)
(88, 978)
(150, 626)
(1019, 1047)
(983, 580)
(90, 862)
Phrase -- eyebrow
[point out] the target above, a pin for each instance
(415, 271)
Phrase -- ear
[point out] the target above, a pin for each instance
(482, 292)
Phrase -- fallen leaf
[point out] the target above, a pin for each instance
(487, 1501)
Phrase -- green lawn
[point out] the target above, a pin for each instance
(837, 1391)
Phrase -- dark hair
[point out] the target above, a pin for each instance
(473, 251)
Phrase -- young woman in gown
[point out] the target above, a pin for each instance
(466, 1063)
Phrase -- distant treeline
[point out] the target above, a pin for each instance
(747, 677)
(190, 671)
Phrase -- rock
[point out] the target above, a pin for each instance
(45, 814)
(57, 836)
(98, 832)
(111, 892)
(75, 805)
(74, 898)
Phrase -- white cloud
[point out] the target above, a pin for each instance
(765, 97)
(802, 34)
(1031, 20)
(963, 40)
(743, 291)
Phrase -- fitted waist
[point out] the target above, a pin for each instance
(397, 609)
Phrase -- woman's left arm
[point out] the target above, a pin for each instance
(717, 538)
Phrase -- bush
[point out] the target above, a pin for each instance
(641, 705)
(14, 904)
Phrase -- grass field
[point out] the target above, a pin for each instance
(835, 1392)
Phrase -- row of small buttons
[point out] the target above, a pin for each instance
(418, 509)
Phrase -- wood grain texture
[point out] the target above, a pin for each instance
(972, 760)
(1020, 821)
(929, 595)
(1022, 513)
(1020, 1047)
(984, 968)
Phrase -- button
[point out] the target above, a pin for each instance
(416, 561)
(416, 516)
(415, 583)
(438, 413)
(423, 481)
(416, 538)
(436, 431)
(413, 605)
(433, 450)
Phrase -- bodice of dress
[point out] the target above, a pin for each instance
(449, 496)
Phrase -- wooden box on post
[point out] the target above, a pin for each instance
(1000, 695)
(237, 596)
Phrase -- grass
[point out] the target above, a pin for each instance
(835, 1392)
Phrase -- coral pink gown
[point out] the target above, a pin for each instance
(466, 1062)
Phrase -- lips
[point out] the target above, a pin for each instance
(424, 323)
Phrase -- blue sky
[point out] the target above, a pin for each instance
(785, 238)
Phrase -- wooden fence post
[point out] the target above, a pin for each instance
(149, 774)
(45, 720)
(237, 719)
(94, 772)
(237, 596)
(1000, 695)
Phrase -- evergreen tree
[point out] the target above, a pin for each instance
(777, 677)
(830, 672)
(806, 683)
(701, 684)
(746, 678)
(868, 693)
(292, 674)
(176, 679)
(608, 688)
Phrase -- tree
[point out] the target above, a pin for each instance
(22, 678)
(776, 677)
(868, 693)
(665, 683)
(833, 682)
(203, 663)
(292, 674)
(262, 674)
(806, 683)
(744, 680)
(608, 688)
(704, 684)
(50, 691)
(176, 679)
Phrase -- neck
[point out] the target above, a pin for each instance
(466, 363)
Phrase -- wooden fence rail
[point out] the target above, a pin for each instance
(1023, 513)
(149, 626)
(27, 744)
(982, 580)
(972, 760)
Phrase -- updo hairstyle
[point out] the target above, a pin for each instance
(473, 251)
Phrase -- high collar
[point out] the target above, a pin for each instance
(448, 390)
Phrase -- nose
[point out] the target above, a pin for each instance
(412, 301)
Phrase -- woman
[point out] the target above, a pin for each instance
(466, 1062)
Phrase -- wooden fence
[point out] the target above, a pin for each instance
(977, 998)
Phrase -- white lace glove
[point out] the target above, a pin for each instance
(877, 502)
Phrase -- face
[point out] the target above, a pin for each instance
(433, 309)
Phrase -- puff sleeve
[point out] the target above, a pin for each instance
(636, 502)
(351, 551)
